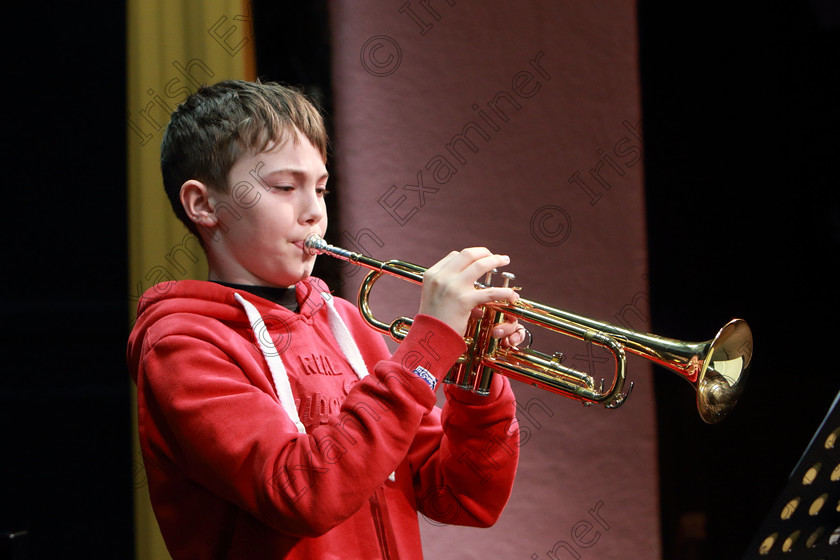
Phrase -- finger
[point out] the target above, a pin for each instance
(442, 263)
(518, 337)
(481, 266)
(507, 330)
(489, 295)
(465, 267)
(462, 260)
(515, 339)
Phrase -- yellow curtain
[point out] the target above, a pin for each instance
(173, 48)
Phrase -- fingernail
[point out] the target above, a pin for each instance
(498, 333)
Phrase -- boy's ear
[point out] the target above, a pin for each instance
(197, 203)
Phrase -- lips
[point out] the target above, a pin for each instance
(301, 243)
(303, 248)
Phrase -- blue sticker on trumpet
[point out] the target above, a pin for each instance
(426, 376)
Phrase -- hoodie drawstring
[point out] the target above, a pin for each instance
(275, 364)
(278, 370)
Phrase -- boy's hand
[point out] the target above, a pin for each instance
(449, 293)
(512, 333)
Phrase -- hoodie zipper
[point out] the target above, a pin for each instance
(382, 523)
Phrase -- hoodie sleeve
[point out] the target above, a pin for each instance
(463, 457)
(207, 411)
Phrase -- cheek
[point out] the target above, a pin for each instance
(277, 220)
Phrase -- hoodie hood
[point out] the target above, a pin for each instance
(196, 297)
(243, 310)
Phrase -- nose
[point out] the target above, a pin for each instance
(312, 209)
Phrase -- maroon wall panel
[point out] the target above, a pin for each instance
(514, 126)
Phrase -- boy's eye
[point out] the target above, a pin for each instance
(320, 191)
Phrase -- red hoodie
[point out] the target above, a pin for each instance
(343, 468)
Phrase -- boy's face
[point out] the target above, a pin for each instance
(276, 199)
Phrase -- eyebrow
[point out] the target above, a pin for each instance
(298, 174)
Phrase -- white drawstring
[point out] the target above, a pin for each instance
(345, 340)
(275, 364)
(278, 371)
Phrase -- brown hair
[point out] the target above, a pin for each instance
(217, 124)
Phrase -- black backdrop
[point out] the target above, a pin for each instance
(741, 107)
(741, 124)
(64, 393)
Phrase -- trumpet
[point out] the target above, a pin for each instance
(717, 369)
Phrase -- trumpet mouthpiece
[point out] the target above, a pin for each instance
(315, 244)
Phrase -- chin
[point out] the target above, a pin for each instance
(295, 278)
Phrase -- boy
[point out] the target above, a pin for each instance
(274, 423)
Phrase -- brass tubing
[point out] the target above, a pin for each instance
(717, 368)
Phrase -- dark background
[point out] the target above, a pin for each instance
(741, 129)
(64, 390)
(741, 110)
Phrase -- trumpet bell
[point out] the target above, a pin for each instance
(723, 375)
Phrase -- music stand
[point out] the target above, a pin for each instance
(804, 523)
